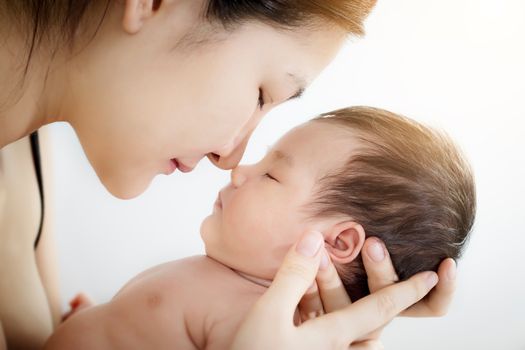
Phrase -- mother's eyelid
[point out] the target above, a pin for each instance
(269, 99)
(292, 86)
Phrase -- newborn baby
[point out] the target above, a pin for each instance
(349, 174)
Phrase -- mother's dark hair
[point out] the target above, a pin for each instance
(58, 20)
(347, 14)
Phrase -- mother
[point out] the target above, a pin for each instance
(152, 86)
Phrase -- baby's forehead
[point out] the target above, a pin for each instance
(325, 137)
(323, 146)
(320, 130)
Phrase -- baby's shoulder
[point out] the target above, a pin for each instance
(174, 274)
(176, 285)
(185, 297)
(199, 282)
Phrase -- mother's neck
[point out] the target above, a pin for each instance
(31, 101)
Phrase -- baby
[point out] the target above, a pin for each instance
(350, 174)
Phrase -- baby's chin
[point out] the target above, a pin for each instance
(241, 264)
(205, 231)
(233, 263)
(210, 249)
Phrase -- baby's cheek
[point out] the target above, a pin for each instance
(247, 210)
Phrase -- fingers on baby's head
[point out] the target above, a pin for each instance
(407, 184)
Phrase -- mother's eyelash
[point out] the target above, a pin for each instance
(260, 101)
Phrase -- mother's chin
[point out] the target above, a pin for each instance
(125, 183)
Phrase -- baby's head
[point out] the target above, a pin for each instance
(350, 174)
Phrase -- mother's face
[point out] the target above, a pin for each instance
(140, 97)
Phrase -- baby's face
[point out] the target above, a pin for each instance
(261, 213)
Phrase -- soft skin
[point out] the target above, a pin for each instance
(192, 303)
(200, 302)
(264, 209)
(166, 307)
(136, 103)
(137, 100)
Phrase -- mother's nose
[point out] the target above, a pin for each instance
(232, 159)
(238, 176)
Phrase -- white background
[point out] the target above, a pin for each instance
(459, 65)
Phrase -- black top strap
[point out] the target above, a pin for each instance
(35, 149)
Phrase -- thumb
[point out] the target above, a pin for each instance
(295, 275)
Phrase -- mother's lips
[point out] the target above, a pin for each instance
(181, 166)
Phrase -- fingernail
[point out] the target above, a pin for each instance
(432, 279)
(451, 274)
(323, 265)
(310, 244)
(376, 251)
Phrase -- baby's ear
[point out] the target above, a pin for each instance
(344, 241)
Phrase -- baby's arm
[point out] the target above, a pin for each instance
(83, 329)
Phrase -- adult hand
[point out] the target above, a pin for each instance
(270, 324)
(327, 294)
(381, 273)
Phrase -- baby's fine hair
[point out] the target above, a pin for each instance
(407, 184)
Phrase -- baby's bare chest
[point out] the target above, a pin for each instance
(227, 318)
(189, 304)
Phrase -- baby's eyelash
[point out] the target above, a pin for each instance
(270, 177)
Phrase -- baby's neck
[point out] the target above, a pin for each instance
(259, 281)
(253, 280)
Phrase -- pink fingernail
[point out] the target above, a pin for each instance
(325, 260)
(432, 279)
(310, 244)
(376, 251)
(451, 274)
